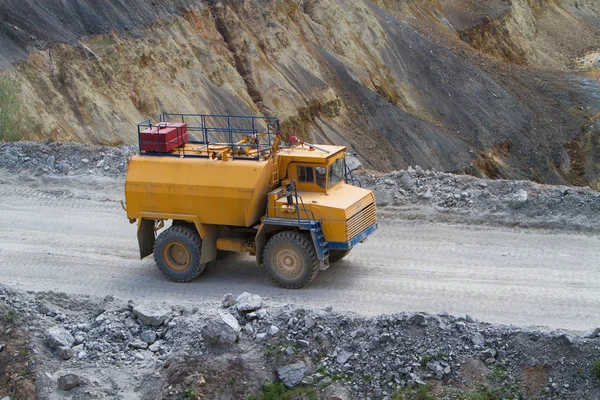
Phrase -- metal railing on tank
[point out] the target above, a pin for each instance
(349, 177)
(212, 135)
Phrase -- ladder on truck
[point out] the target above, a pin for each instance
(275, 171)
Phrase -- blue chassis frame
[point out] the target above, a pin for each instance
(354, 241)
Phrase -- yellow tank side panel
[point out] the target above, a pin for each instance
(219, 192)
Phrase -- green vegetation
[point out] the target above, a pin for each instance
(425, 358)
(272, 350)
(419, 393)
(597, 368)
(278, 391)
(500, 386)
(10, 109)
(10, 316)
(498, 374)
(190, 393)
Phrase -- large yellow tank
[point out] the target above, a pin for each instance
(218, 192)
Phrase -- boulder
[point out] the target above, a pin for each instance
(592, 334)
(65, 352)
(518, 199)
(291, 375)
(407, 181)
(418, 319)
(478, 339)
(228, 301)
(343, 357)
(309, 323)
(63, 168)
(353, 163)
(248, 302)
(221, 330)
(150, 314)
(58, 336)
(68, 382)
(148, 336)
(139, 344)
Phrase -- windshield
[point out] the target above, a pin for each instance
(336, 172)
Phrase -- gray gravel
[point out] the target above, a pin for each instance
(437, 196)
(55, 158)
(371, 358)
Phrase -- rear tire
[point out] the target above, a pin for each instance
(337, 255)
(291, 260)
(177, 253)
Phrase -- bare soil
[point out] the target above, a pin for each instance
(17, 379)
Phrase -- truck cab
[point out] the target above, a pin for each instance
(347, 213)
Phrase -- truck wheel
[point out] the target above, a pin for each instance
(290, 259)
(177, 253)
(337, 255)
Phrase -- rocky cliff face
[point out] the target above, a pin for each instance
(446, 84)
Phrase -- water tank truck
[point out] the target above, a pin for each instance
(228, 183)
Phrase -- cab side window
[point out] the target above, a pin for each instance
(321, 176)
(306, 174)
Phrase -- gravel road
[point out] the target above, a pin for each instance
(503, 275)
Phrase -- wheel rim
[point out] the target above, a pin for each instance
(177, 256)
(288, 263)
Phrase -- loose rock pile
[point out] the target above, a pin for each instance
(437, 196)
(64, 158)
(366, 357)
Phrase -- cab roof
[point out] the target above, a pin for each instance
(306, 153)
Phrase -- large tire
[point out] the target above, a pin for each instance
(337, 255)
(291, 260)
(177, 253)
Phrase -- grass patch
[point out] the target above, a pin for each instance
(190, 393)
(10, 317)
(272, 350)
(419, 393)
(10, 109)
(425, 358)
(597, 368)
(278, 391)
(498, 375)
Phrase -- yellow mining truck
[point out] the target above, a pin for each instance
(228, 183)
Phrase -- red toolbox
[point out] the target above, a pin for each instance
(163, 137)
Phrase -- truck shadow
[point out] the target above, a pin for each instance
(239, 272)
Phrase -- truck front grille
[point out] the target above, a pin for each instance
(361, 220)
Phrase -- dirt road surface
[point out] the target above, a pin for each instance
(512, 276)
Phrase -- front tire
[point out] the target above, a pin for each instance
(177, 253)
(291, 260)
(337, 255)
